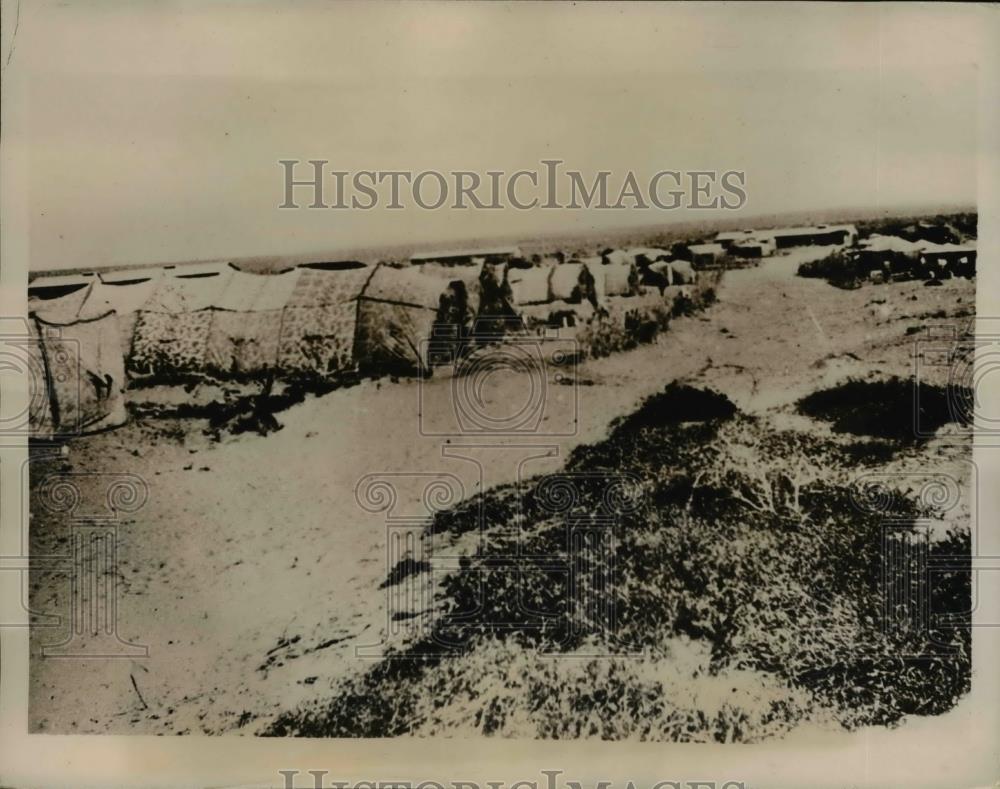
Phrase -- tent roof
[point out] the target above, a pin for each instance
(320, 287)
(123, 299)
(180, 294)
(409, 286)
(61, 310)
(240, 291)
(957, 248)
(198, 269)
(566, 277)
(71, 308)
(531, 285)
(257, 292)
(135, 275)
(277, 290)
(60, 280)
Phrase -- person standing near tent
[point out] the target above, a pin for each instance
(451, 329)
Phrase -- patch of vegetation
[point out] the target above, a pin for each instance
(677, 403)
(870, 453)
(738, 592)
(885, 408)
(626, 327)
(622, 330)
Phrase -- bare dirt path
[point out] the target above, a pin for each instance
(252, 573)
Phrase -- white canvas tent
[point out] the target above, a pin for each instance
(531, 285)
(79, 357)
(397, 313)
(173, 327)
(318, 321)
(621, 279)
(245, 330)
(572, 282)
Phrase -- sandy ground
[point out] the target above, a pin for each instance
(252, 573)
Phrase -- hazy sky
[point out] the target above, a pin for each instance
(155, 129)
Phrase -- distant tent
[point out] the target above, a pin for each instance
(246, 322)
(682, 272)
(531, 285)
(705, 255)
(572, 282)
(319, 318)
(621, 279)
(643, 256)
(397, 314)
(173, 327)
(78, 353)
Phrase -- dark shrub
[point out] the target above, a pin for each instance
(885, 409)
(720, 574)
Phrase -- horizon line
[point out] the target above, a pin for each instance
(356, 252)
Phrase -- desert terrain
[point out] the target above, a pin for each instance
(252, 574)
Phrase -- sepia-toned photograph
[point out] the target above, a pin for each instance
(518, 372)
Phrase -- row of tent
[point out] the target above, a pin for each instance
(574, 281)
(94, 332)
(230, 322)
(891, 257)
(92, 336)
